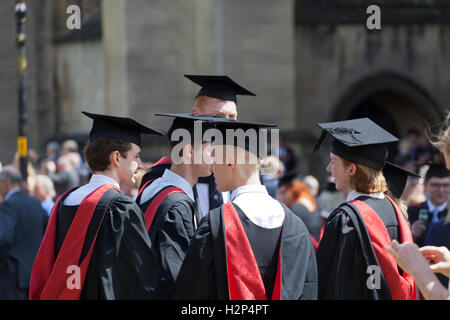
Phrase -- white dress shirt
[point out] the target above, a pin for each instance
(259, 206)
(354, 194)
(97, 180)
(169, 178)
(203, 197)
(435, 210)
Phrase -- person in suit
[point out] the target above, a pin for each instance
(22, 226)
(437, 188)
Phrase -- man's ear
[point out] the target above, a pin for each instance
(351, 169)
(195, 110)
(114, 159)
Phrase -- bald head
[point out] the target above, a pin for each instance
(209, 105)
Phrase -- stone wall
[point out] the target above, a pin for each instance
(339, 66)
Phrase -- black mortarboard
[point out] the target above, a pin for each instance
(187, 121)
(358, 140)
(396, 178)
(437, 170)
(220, 87)
(124, 128)
(243, 132)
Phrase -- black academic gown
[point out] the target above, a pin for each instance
(123, 265)
(311, 220)
(170, 234)
(157, 170)
(345, 252)
(204, 272)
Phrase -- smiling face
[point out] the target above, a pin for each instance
(129, 164)
(438, 189)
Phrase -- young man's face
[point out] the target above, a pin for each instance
(227, 109)
(438, 190)
(203, 169)
(339, 173)
(130, 164)
(221, 169)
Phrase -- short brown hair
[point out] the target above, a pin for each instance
(97, 152)
(366, 179)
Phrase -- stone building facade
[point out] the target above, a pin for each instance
(309, 61)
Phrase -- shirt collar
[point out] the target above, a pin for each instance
(174, 179)
(252, 188)
(432, 207)
(354, 194)
(10, 193)
(102, 179)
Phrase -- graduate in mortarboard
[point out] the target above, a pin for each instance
(168, 202)
(253, 247)
(96, 245)
(217, 96)
(352, 260)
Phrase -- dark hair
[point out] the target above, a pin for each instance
(436, 171)
(97, 152)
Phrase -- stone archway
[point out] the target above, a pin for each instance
(392, 101)
(401, 99)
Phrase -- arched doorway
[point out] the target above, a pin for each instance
(391, 101)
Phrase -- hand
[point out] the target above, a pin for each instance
(417, 228)
(438, 257)
(408, 257)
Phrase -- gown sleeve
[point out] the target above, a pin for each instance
(171, 244)
(197, 277)
(128, 265)
(341, 268)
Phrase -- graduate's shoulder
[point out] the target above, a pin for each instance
(120, 202)
(295, 221)
(179, 201)
(342, 215)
